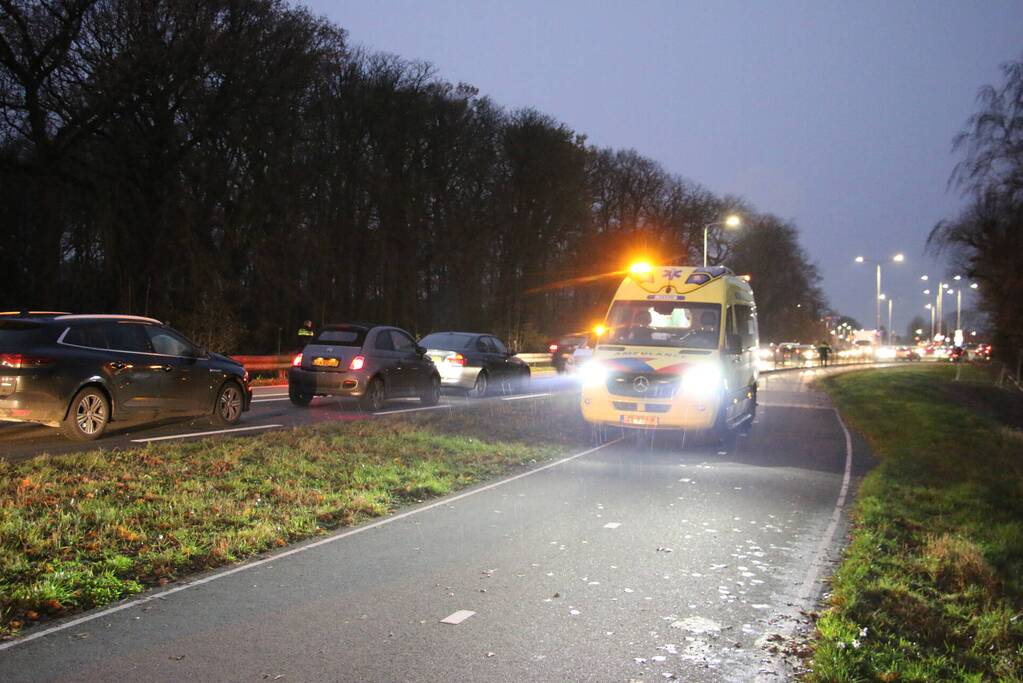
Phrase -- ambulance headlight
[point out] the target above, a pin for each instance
(592, 373)
(701, 380)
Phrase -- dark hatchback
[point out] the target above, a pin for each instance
(371, 363)
(81, 372)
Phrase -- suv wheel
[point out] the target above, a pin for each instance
(88, 416)
(431, 396)
(228, 408)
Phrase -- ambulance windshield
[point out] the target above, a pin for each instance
(676, 324)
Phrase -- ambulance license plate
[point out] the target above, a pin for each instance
(639, 420)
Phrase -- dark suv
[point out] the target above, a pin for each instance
(369, 362)
(80, 372)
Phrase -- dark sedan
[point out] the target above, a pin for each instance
(80, 372)
(475, 362)
(371, 363)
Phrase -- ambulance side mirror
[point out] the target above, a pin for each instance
(733, 344)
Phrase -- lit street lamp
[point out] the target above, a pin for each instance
(898, 258)
(732, 221)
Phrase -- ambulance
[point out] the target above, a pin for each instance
(678, 351)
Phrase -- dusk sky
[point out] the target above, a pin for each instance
(838, 116)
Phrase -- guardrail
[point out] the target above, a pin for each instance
(278, 365)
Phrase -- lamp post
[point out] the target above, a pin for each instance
(898, 258)
(732, 221)
(930, 308)
(889, 321)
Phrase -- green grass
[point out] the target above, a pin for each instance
(79, 531)
(931, 587)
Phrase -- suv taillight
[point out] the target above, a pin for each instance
(20, 360)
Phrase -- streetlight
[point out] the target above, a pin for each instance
(889, 322)
(732, 221)
(897, 258)
(930, 308)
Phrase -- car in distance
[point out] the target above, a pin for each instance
(368, 362)
(475, 362)
(81, 372)
(568, 351)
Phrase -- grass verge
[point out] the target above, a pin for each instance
(80, 531)
(931, 587)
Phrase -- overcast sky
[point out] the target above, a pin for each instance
(838, 116)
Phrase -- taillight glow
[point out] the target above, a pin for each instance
(552, 348)
(296, 361)
(455, 359)
(20, 360)
(357, 363)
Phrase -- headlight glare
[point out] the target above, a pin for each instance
(592, 373)
(702, 380)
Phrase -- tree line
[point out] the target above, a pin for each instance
(236, 166)
(985, 241)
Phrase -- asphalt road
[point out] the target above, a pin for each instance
(270, 409)
(627, 562)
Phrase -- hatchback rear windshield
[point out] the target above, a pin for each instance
(22, 333)
(446, 341)
(342, 336)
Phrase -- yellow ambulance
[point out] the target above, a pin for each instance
(678, 351)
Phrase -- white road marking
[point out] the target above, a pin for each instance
(808, 406)
(270, 395)
(458, 617)
(159, 595)
(519, 398)
(806, 590)
(413, 410)
(268, 400)
(209, 433)
(777, 668)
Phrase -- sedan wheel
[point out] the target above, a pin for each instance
(479, 389)
(228, 410)
(88, 415)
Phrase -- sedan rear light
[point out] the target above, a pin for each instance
(552, 348)
(357, 363)
(455, 359)
(296, 361)
(20, 360)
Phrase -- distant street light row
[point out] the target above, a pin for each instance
(936, 309)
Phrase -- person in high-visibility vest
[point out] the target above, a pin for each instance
(305, 334)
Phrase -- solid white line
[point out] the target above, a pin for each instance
(519, 398)
(778, 667)
(813, 571)
(807, 406)
(210, 433)
(294, 551)
(413, 410)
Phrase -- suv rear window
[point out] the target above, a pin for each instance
(342, 336)
(90, 335)
(23, 333)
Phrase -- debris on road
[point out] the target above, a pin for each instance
(457, 617)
